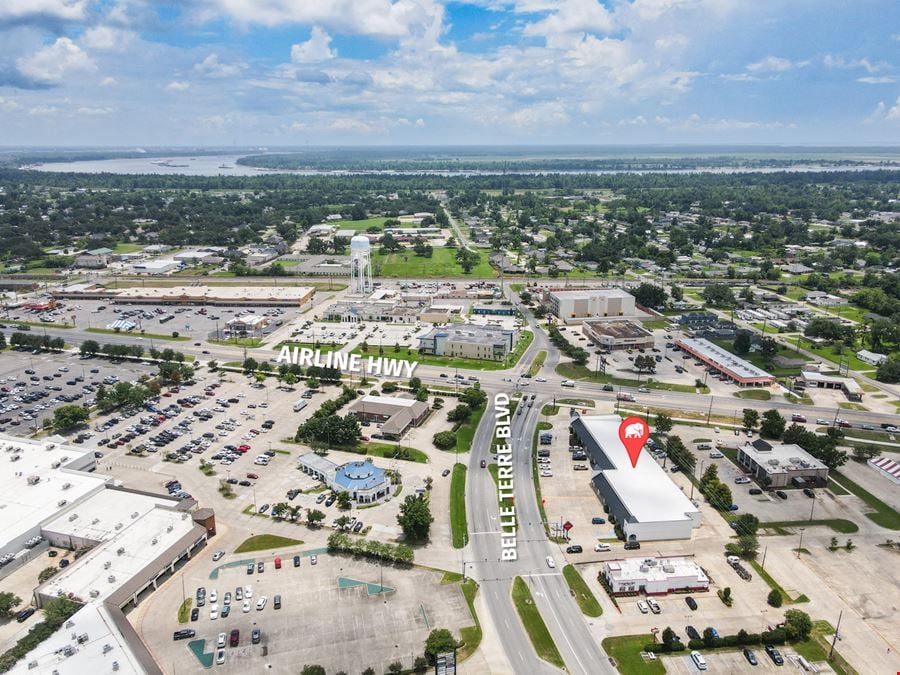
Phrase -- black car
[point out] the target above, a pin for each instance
(255, 636)
(184, 634)
(632, 545)
(775, 655)
(692, 633)
(809, 493)
(250, 568)
(751, 657)
(195, 614)
(245, 483)
(691, 602)
(296, 561)
(24, 614)
(781, 493)
(331, 499)
(574, 548)
(755, 491)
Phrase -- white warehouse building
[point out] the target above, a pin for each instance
(644, 501)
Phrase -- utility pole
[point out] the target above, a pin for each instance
(837, 630)
(800, 545)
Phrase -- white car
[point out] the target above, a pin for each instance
(221, 641)
(220, 656)
(213, 595)
(741, 480)
(716, 429)
(261, 603)
(540, 379)
(248, 591)
(213, 612)
(601, 547)
(246, 607)
(551, 563)
(644, 607)
(546, 474)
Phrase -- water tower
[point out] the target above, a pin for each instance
(360, 265)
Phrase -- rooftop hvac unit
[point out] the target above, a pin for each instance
(669, 569)
(794, 460)
(69, 623)
(772, 462)
(111, 578)
(94, 593)
(107, 648)
(155, 541)
(50, 446)
(170, 528)
(95, 521)
(107, 565)
(115, 666)
(120, 550)
(34, 480)
(135, 515)
(65, 458)
(32, 665)
(118, 526)
(55, 465)
(82, 638)
(644, 568)
(66, 486)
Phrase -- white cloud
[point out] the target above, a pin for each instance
(109, 82)
(879, 79)
(543, 114)
(95, 110)
(772, 64)
(840, 62)
(43, 110)
(54, 62)
(696, 122)
(9, 104)
(314, 50)
(883, 113)
(387, 18)
(107, 38)
(212, 67)
(352, 124)
(572, 17)
(877, 114)
(22, 10)
(178, 85)
(894, 113)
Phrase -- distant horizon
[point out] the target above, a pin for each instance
(264, 147)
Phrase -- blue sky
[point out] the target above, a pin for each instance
(297, 72)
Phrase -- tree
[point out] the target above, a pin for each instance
(865, 452)
(746, 523)
(369, 671)
(395, 668)
(420, 664)
(644, 362)
(663, 423)
(775, 599)
(440, 641)
(58, 610)
(668, 637)
(889, 370)
(89, 347)
(460, 413)
(773, 424)
(711, 475)
(313, 382)
(719, 495)
(250, 364)
(70, 416)
(344, 500)
(473, 397)
(313, 670)
(718, 295)
(415, 518)
(797, 625)
(751, 418)
(709, 637)
(748, 545)
(444, 440)
(8, 601)
(314, 517)
(742, 342)
(650, 295)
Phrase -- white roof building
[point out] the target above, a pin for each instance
(643, 500)
(654, 576)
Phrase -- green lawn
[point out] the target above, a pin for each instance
(248, 342)
(883, 514)
(583, 595)
(136, 334)
(470, 635)
(263, 542)
(458, 524)
(571, 371)
(389, 450)
(755, 394)
(840, 525)
(836, 488)
(534, 624)
(441, 264)
(466, 431)
(655, 324)
(359, 225)
(757, 359)
(827, 352)
(626, 650)
(774, 585)
(184, 610)
(128, 248)
(536, 364)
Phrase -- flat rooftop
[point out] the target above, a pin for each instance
(654, 569)
(646, 490)
(781, 458)
(398, 401)
(722, 358)
(471, 333)
(25, 506)
(619, 329)
(586, 294)
(848, 383)
(221, 293)
(140, 542)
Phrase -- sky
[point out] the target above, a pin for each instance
(434, 72)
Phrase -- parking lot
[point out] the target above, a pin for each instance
(33, 385)
(336, 602)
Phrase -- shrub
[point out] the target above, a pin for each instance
(775, 599)
(775, 637)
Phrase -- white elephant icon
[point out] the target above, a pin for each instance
(635, 430)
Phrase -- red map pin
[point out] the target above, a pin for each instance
(633, 432)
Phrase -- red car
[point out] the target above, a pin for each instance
(243, 448)
(277, 563)
(252, 476)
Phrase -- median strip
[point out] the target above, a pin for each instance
(534, 625)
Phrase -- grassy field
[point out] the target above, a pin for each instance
(827, 352)
(583, 595)
(128, 248)
(248, 342)
(470, 635)
(571, 371)
(263, 542)
(441, 264)
(755, 394)
(458, 524)
(148, 336)
(882, 515)
(536, 364)
(388, 451)
(537, 631)
(626, 650)
(359, 225)
(466, 432)
(774, 585)
(453, 362)
(840, 525)
(757, 359)
(655, 324)
(184, 610)
(42, 324)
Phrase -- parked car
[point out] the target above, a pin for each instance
(220, 657)
(751, 657)
(601, 547)
(698, 660)
(184, 634)
(693, 633)
(644, 607)
(574, 548)
(256, 636)
(596, 520)
(235, 637)
(654, 605)
(775, 655)
(691, 602)
(781, 493)
(632, 545)
(22, 616)
(276, 602)
(195, 614)
(296, 561)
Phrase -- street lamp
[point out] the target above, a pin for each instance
(800, 545)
